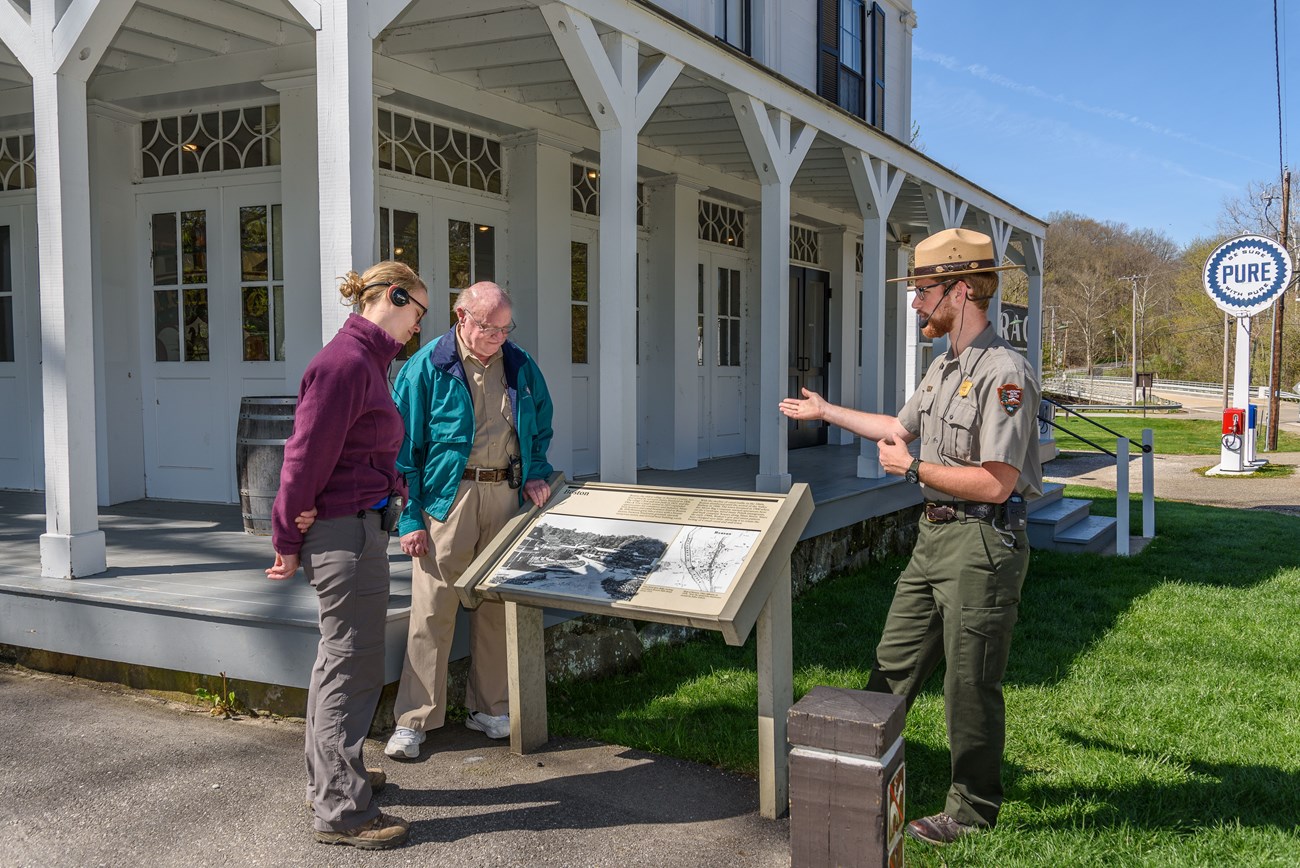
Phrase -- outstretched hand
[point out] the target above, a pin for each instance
(811, 407)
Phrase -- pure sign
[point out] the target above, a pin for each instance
(1246, 274)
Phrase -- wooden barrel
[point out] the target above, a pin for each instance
(265, 423)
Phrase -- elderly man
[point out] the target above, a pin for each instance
(959, 595)
(478, 424)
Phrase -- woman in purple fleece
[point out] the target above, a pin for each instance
(340, 464)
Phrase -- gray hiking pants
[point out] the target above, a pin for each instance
(346, 560)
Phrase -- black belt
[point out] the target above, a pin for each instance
(942, 513)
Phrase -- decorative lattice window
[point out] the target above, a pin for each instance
(722, 224)
(17, 162)
(216, 141)
(585, 194)
(410, 145)
(857, 258)
(805, 246)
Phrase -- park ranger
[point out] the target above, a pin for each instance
(974, 414)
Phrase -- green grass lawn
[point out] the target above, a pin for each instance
(1172, 436)
(1153, 702)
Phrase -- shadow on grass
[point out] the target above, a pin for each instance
(1256, 796)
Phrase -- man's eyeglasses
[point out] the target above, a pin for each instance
(491, 331)
(922, 290)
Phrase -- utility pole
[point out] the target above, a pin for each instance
(1134, 278)
(1275, 370)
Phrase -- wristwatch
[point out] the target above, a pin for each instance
(913, 473)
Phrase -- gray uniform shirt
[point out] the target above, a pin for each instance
(980, 406)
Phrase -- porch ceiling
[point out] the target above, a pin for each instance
(502, 48)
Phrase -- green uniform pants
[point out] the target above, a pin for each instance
(957, 600)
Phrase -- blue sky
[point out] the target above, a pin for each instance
(1149, 113)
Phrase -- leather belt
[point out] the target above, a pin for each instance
(486, 474)
(942, 513)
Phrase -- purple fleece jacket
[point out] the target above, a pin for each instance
(342, 455)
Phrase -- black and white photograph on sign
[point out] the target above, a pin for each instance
(582, 556)
(609, 558)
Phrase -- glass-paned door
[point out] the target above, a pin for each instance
(810, 298)
(720, 354)
(193, 323)
(584, 351)
(22, 464)
(471, 257)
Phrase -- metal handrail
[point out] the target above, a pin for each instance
(1120, 455)
(1069, 410)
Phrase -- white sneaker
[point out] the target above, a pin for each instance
(497, 726)
(405, 743)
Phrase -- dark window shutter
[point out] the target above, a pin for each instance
(828, 50)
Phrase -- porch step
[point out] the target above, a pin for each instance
(1065, 524)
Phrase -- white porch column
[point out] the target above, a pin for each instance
(60, 53)
(540, 277)
(345, 130)
(839, 253)
(777, 157)
(906, 354)
(1000, 231)
(1033, 246)
(620, 98)
(302, 232)
(876, 185)
(669, 323)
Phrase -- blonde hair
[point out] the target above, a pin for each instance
(362, 290)
(984, 285)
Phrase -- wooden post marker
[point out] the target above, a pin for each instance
(846, 779)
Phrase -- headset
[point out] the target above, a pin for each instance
(396, 294)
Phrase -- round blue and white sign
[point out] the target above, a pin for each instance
(1246, 274)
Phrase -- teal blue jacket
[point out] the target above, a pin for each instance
(432, 394)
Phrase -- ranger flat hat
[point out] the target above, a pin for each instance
(952, 253)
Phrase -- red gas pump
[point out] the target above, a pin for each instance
(1234, 421)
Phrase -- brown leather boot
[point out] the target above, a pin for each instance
(382, 833)
(939, 829)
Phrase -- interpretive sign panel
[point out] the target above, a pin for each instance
(719, 560)
(682, 556)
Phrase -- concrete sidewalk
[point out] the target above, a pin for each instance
(99, 775)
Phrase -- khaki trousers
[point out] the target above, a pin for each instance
(957, 600)
(479, 512)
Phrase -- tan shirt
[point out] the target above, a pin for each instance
(981, 406)
(495, 441)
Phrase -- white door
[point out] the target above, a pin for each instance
(585, 351)
(720, 354)
(189, 318)
(22, 458)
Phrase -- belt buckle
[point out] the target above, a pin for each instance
(937, 513)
